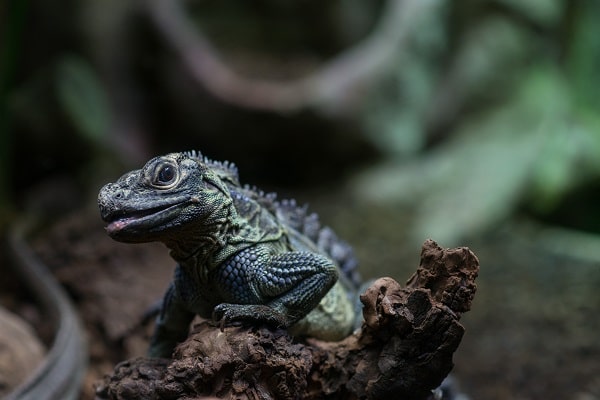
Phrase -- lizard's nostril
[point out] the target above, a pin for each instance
(118, 193)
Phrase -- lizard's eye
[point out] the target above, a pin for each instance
(165, 175)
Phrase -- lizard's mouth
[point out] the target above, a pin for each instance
(128, 225)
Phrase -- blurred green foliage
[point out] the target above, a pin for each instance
(491, 109)
(520, 117)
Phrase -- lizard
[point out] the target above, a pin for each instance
(242, 255)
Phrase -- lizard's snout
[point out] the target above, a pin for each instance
(108, 196)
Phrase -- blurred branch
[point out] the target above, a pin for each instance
(329, 85)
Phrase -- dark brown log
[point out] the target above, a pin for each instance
(403, 350)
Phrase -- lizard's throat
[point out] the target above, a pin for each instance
(195, 247)
(199, 245)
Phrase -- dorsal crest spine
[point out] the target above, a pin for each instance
(225, 169)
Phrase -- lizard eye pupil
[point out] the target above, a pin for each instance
(165, 175)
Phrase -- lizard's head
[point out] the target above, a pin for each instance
(169, 194)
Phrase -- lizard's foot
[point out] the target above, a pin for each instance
(228, 313)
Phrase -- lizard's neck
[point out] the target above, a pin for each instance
(192, 251)
(197, 247)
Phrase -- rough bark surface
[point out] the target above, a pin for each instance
(403, 350)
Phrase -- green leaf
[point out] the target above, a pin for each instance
(570, 154)
(484, 183)
(83, 98)
(479, 176)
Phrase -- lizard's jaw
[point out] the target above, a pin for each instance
(140, 225)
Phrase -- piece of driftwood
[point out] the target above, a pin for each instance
(403, 350)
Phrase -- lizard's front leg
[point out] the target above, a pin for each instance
(181, 302)
(171, 325)
(277, 289)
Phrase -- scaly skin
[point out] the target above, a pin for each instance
(242, 256)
